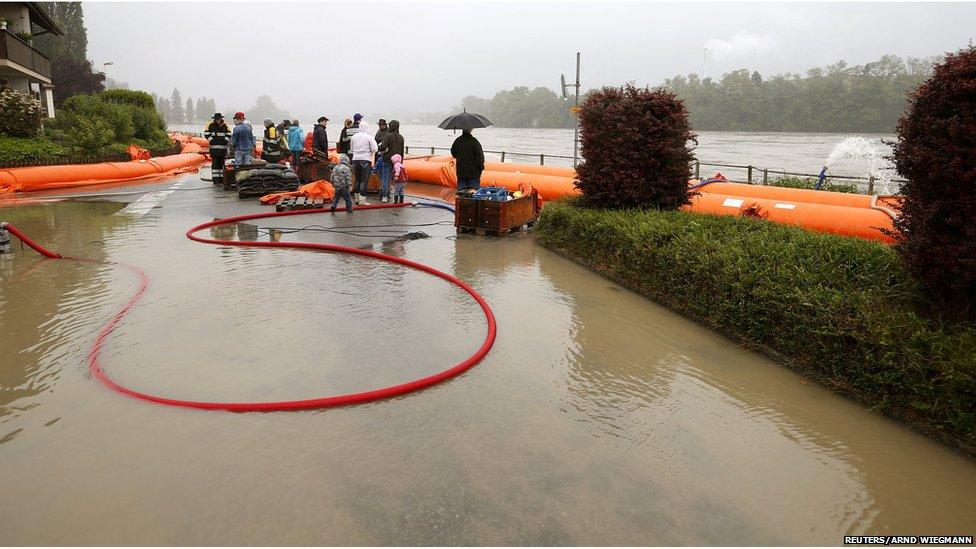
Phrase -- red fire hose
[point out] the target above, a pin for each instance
(337, 400)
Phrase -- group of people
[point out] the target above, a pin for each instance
(360, 153)
(372, 153)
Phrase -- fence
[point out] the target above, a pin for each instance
(752, 175)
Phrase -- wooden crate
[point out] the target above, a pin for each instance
(495, 218)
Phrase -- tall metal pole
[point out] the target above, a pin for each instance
(576, 109)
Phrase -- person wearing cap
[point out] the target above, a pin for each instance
(217, 134)
(243, 139)
(320, 138)
(381, 166)
(271, 147)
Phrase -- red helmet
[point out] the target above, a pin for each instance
(239, 115)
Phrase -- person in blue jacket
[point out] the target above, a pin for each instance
(296, 142)
(243, 139)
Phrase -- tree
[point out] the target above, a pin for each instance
(264, 107)
(635, 149)
(175, 107)
(936, 152)
(72, 77)
(113, 84)
(190, 115)
(70, 17)
(838, 97)
(162, 107)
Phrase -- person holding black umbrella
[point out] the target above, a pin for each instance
(469, 160)
(469, 157)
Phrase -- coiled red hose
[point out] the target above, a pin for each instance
(336, 400)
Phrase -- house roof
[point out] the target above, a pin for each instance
(39, 17)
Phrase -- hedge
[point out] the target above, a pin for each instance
(25, 151)
(838, 310)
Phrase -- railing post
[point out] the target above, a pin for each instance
(697, 169)
(406, 149)
(750, 175)
(871, 185)
(503, 156)
(432, 150)
(542, 160)
(765, 176)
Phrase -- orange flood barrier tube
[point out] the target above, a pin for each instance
(38, 178)
(436, 170)
(842, 220)
(787, 193)
(862, 216)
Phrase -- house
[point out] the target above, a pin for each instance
(23, 67)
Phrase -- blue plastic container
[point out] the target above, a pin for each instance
(499, 194)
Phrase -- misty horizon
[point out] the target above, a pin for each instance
(427, 62)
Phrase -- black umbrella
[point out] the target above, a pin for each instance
(464, 121)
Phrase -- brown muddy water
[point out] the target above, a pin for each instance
(597, 418)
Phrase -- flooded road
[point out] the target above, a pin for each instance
(597, 418)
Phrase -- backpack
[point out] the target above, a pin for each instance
(402, 176)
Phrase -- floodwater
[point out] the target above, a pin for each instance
(597, 418)
(782, 151)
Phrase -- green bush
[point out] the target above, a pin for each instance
(136, 98)
(108, 122)
(840, 310)
(20, 114)
(18, 151)
(795, 182)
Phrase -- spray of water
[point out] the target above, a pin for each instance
(869, 158)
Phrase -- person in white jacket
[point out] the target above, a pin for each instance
(363, 148)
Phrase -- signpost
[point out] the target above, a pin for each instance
(575, 109)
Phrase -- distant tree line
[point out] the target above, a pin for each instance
(177, 111)
(836, 98)
(521, 107)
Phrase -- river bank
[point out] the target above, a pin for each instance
(839, 310)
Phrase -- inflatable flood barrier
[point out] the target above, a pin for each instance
(862, 216)
(39, 178)
(867, 223)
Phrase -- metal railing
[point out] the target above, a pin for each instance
(752, 175)
(20, 52)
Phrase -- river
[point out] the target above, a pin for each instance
(598, 418)
(780, 151)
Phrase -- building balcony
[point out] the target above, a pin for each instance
(17, 56)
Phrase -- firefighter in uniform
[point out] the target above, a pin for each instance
(271, 150)
(218, 134)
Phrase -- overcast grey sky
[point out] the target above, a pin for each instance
(338, 57)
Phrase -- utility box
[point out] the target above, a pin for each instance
(495, 217)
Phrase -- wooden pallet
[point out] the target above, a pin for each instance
(481, 231)
(289, 203)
